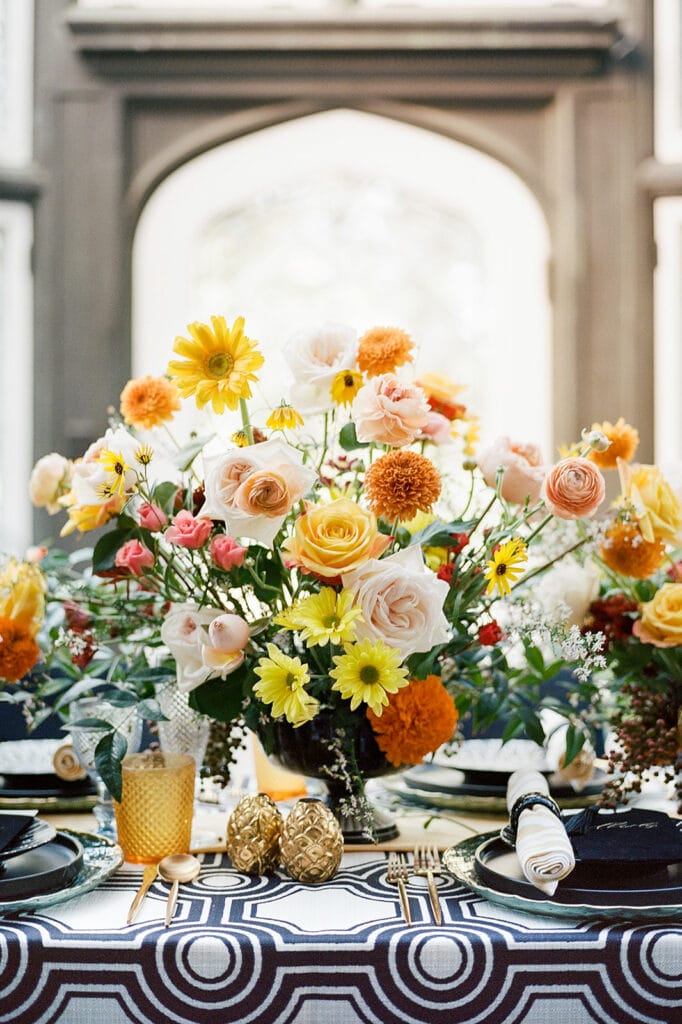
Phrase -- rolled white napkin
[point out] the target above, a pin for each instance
(542, 846)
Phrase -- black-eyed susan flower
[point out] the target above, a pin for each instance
(284, 417)
(345, 386)
(116, 467)
(217, 364)
(506, 565)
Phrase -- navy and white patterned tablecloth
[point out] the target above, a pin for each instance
(270, 951)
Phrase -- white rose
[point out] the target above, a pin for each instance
(315, 356)
(50, 479)
(568, 586)
(258, 514)
(185, 632)
(401, 601)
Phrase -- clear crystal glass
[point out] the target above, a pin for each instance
(186, 731)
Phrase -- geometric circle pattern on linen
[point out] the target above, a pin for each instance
(267, 950)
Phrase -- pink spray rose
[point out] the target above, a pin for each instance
(189, 531)
(226, 552)
(388, 411)
(573, 489)
(523, 470)
(134, 557)
(152, 517)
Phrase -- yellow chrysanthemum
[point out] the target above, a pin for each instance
(282, 683)
(506, 566)
(284, 417)
(217, 364)
(147, 402)
(22, 595)
(117, 467)
(367, 672)
(323, 618)
(345, 386)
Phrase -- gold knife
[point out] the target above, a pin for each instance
(148, 878)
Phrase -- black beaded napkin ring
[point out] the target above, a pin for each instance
(508, 833)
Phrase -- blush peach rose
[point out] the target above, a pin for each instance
(332, 539)
(573, 489)
(269, 492)
(390, 412)
(661, 618)
(523, 470)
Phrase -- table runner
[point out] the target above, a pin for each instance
(272, 951)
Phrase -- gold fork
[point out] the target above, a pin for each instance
(427, 864)
(396, 874)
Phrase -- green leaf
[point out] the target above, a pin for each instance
(422, 665)
(96, 724)
(119, 698)
(348, 439)
(151, 709)
(220, 698)
(163, 495)
(106, 547)
(440, 534)
(109, 753)
(532, 725)
(535, 659)
(575, 741)
(186, 455)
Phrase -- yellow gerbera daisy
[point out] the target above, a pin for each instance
(323, 618)
(283, 682)
(117, 467)
(505, 567)
(367, 672)
(345, 386)
(284, 417)
(217, 364)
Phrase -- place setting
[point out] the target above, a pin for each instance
(623, 864)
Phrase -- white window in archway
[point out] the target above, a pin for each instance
(363, 220)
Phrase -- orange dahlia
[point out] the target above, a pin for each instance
(18, 650)
(147, 401)
(624, 440)
(400, 484)
(382, 349)
(625, 550)
(416, 721)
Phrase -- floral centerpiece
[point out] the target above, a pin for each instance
(338, 559)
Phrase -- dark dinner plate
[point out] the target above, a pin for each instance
(499, 867)
(47, 868)
(16, 787)
(436, 779)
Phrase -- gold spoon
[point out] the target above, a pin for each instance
(176, 868)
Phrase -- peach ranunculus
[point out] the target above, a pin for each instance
(135, 557)
(401, 602)
(389, 411)
(523, 470)
(661, 618)
(573, 489)
(188, 531)
(50, 480)
(332, 539)
(658, 511)
(252, 489)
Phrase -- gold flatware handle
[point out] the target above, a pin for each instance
(404, 902)
(433, 896)
(148, 878)
(172, 900)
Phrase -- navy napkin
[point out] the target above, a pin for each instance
(625, 837)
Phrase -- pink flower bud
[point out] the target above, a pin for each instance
(152, 517)
(226, 552)
(229, 633)
(189, 531)
(134, 557)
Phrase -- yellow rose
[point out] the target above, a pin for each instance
(332, 539)
(657, 509)
(22, 595)
(661, 618)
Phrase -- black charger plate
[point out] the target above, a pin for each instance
(45, 869)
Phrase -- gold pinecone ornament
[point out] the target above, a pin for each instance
(312, 842)
(254, 830)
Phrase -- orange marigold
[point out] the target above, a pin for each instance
(18, 650)
(417, 720)
(400, 484)
(382, 349)
(624, 440)
(147, 401)
(625, 550)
